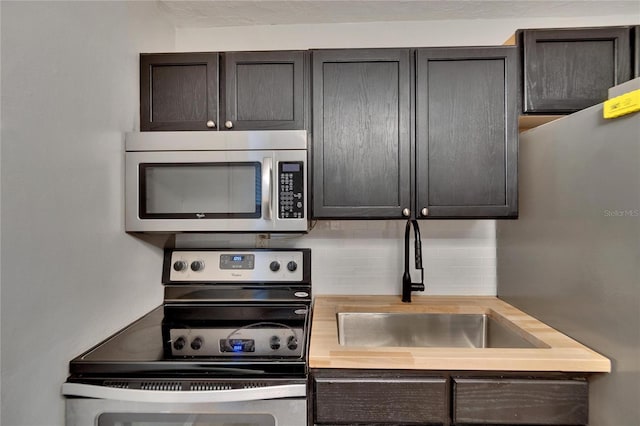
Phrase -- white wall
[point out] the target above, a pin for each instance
(379, 34)
(70, 275)
(366, 257)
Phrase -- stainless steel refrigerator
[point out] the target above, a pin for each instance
(572, 259)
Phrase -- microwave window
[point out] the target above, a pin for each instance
(200, 190)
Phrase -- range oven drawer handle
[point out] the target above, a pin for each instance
(136, 395)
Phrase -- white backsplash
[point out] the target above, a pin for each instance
(366, 257)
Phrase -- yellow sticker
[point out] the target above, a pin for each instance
(622, 105)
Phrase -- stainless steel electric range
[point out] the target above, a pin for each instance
(227, 347)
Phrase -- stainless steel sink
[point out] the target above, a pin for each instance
(426, 330)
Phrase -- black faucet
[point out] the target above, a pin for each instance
(407, 285)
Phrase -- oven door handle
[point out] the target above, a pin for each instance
(137, 395)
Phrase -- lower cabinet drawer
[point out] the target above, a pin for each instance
(520, 401)
(369, 400)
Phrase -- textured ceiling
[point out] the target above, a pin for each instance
(215, 13)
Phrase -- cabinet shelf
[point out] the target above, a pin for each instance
(527, 122)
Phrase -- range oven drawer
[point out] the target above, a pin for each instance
(186, 403)
(99, 412)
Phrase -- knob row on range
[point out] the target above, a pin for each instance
(196, 344)
(275, 266)
(181, 265)
(181, 342)
(292, 343)
(198, 265)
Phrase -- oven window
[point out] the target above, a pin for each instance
(157, 419)
(200, 190)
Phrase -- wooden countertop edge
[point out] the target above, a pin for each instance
(562, 353)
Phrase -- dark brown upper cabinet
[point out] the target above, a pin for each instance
(462, 162)
(361, 133)
(467, 132)
(566, 70)
(223, 91)
(263, 90)
(178, 91)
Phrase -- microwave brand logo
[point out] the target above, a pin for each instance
(200, 215)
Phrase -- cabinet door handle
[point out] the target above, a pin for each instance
(424, 211)
(406, 212)
(211, 124)
(228, 124)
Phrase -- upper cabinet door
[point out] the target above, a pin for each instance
(179, 91)
(566, 70)
(361, 128)
(466, 132)
(263, 90)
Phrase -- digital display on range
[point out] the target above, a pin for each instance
(237, 345)
(237, 261)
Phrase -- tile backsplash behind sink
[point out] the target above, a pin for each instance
(366, 257)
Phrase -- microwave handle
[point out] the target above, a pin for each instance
(267, 181)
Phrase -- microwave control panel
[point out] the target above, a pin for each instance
(291, 190)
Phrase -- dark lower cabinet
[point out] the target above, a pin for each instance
(467, 132)
(412, 397)
(512, 401)
(568, 69)
(379, 398)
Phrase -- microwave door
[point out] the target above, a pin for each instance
(214, 190)
(210, 191)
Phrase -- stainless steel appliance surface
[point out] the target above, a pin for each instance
(227, 347)
(573, 258)
(244, 181)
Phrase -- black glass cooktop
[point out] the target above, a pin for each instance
(144, 348)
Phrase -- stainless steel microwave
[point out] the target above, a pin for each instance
(253, 181)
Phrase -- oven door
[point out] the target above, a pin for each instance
(283, 405)
(203, 191)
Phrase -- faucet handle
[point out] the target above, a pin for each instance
(418, 254)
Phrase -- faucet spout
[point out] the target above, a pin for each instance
(407, 285)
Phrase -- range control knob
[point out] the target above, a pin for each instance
(179, 265)
(292, 343)
(179, 343)
(292, 266)
(274, 266)
(196, 343)
(197, 265)
(274, 342)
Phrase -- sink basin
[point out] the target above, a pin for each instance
(427, 330)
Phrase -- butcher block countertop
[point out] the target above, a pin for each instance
(553, 350)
